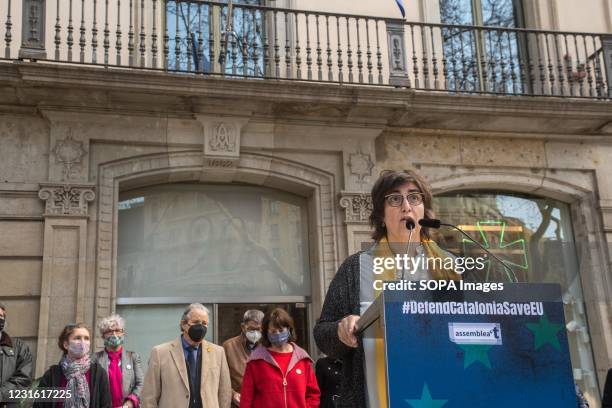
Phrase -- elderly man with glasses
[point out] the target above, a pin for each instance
(238, 349)
(188, 372)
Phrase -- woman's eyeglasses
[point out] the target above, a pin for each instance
(397, 199)
(113, 332)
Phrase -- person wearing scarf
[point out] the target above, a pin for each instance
(125, 374)
(85, 382)
(398, 197)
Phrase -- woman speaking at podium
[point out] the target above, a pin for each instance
(399, 200)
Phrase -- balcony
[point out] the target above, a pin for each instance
(203, 38)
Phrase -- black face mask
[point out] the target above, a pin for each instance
(1, 325)
(197, 332)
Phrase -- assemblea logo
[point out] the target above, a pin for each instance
(475, 333)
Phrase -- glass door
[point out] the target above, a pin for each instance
(229, 317)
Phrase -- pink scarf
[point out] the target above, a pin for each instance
(115, 378)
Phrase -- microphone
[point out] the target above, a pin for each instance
(434, 223)
(429, 223)
(410, 225)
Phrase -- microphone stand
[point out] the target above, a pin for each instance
(511, 273)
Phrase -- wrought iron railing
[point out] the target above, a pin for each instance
(253, 41)
(507, 60)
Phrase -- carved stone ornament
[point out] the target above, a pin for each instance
(223, 139)
(357, 207)
(33, 30)
(69, 153)
(66, 200)
(396, 48)
(360, 165)
(397, 53)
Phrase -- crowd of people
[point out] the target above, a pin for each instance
(262, 366)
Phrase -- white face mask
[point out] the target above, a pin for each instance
(253, 336)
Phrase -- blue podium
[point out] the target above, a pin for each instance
(457, 349)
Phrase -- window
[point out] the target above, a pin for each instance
(209, 241)
(534, 235)
(482, 60)
(214, 244)
(196, 37)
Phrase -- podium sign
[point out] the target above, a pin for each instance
(460, 349)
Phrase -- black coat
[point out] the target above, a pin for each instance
(342, 299)
(15, 366)
(329, 376)
(99, 389)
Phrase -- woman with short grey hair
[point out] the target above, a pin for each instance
(124, 367)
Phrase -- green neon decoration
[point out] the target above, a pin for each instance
(518, 244)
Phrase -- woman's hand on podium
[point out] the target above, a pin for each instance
(346, 330)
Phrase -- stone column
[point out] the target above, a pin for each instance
(64, 264)
(357, 209)
(360, 173)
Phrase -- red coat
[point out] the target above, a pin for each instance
(262, 385)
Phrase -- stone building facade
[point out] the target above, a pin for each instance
(77, 143)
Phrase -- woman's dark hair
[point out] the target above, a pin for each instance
(68, 330)
(388, 181)
(278, 318)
